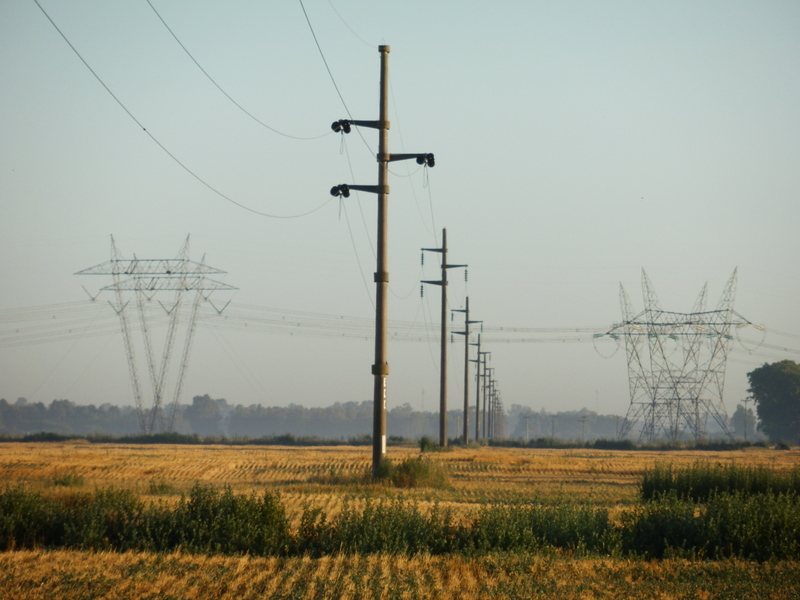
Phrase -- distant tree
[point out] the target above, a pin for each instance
(744, 423)
(205, 415)
(776, 390)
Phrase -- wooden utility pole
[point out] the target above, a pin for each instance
(465, 333)
(380, 368)
(478, 376)
(487, 389)
(443, 346)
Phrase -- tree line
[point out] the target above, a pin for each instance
(774, 390)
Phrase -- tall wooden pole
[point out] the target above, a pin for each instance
(380, 369)
(443, 350)
(443, 346)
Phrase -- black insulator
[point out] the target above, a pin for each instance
(466, 278)
(429, 160)
(342, 125)
(341, 190)
(421, 291)
(422, 258)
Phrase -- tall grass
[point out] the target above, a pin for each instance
(764, 526)
(702, 480)
(569, 527)
(754, 527)
(414, 472)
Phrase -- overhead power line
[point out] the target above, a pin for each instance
(224, 93)
(160, 145)
(34, 325)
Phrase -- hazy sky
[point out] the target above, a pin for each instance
(576, 143)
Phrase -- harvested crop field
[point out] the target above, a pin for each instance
(328, 478)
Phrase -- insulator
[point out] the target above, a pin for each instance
(342, 125)
(422, 258)
(429, 160)
(421, 291)
(466, 275)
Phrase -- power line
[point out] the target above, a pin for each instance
(159, 144)
(224, 93)
(350, 29)
(330, 74)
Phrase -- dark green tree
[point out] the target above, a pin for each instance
(744, 423)
(205, 415)
(776, 390)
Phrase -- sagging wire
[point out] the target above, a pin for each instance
(224, 93)
(160, 145)
(333, 80)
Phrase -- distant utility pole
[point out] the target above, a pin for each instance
(465, 333)
(746, 400)
(488, 382)
(487, 374)
(477, 389)
(443, 350)
(380, 368)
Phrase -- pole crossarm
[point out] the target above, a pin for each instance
(422, 159)
(343, 189)
(345, 125)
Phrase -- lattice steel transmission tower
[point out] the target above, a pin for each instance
(139, 282)
(676, 363)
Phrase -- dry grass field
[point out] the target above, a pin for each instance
(327, 477)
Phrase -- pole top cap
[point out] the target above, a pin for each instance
(384, 48)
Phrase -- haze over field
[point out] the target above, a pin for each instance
(576, 143)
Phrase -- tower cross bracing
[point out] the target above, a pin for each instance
(136, 283)
(676, 363)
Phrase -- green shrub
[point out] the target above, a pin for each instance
(529, 527)
(391, 527)
(698, 482)
(27, 519)
(413, 472)
(223, 522)
(739, 525)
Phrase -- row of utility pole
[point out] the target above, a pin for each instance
(489, 424)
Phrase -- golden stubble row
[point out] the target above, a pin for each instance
(73, 575)
(325, 477)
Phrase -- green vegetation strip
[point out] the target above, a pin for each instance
(210, 521)
(702, 481)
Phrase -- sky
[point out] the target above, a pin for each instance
(576, 143)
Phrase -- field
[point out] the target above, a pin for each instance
(329, 478)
